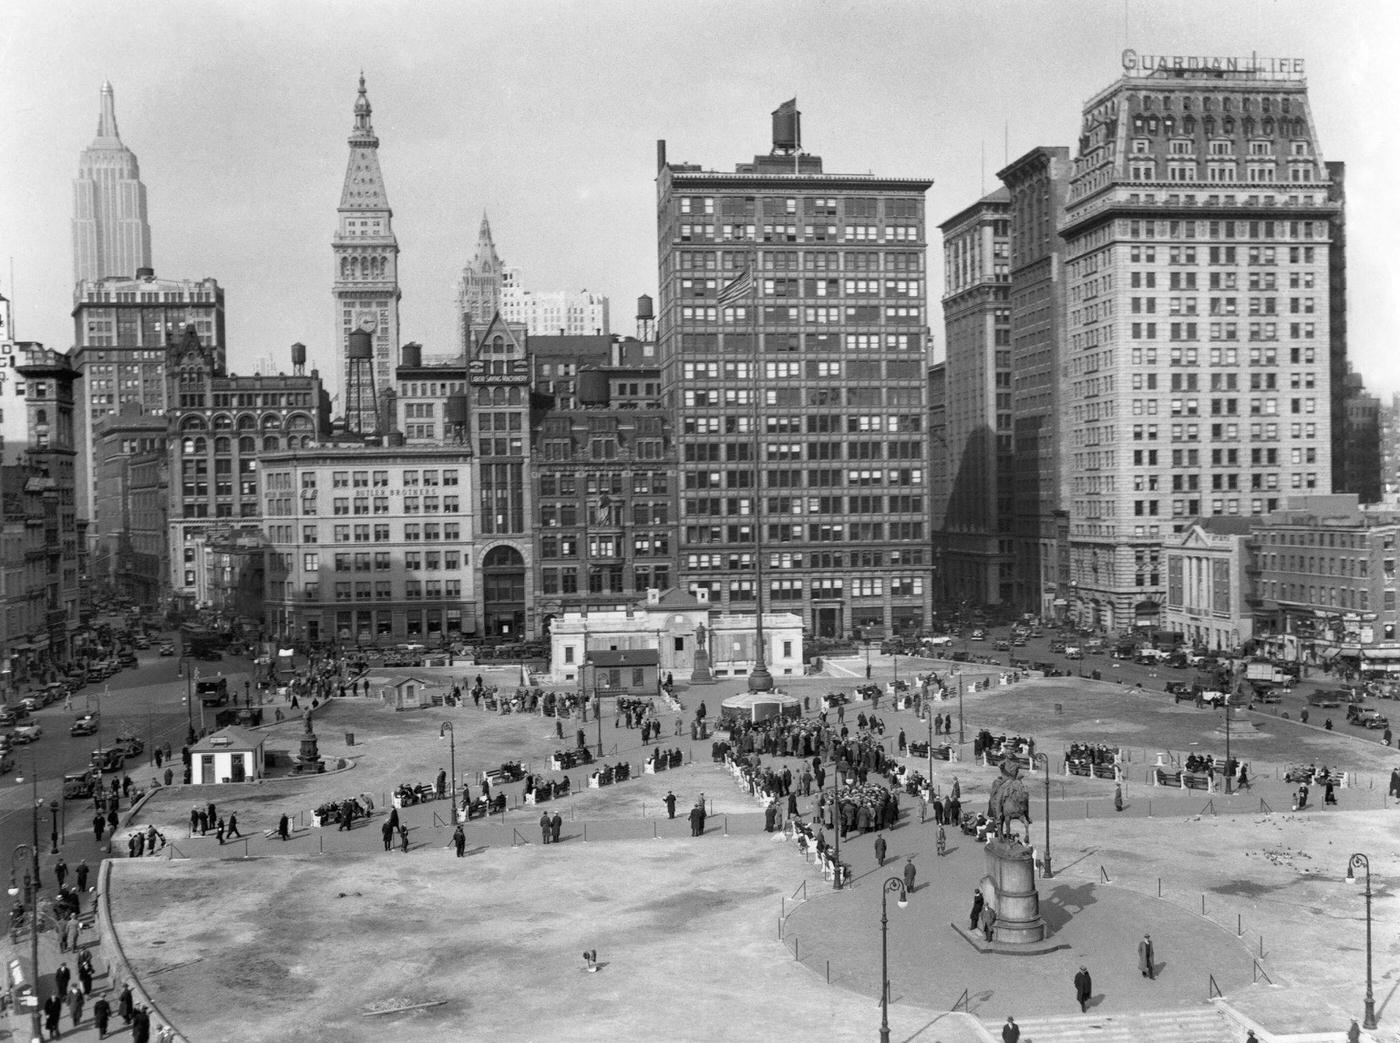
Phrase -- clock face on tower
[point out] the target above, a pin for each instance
(367, 321)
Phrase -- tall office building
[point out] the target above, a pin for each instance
(479, 288)
(123, 328)
(1197, 363)
(793, 332)
(562, 313)
(977, 530)
(366, 287)
(111, 235)
(1037, 182)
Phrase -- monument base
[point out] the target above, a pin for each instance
(700, 672)
(975, 939)
(1009, 888)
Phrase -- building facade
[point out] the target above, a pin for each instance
(1211, 573)
(366, 286)
(603, 468)
(219, 427)
(557, 312)
(1359, 468)
(370, 545)
(124, 328)
(50, 482)
(479, 288)
(111, 234)
(978, 547)
(1327, 583)
(1197, 345)
(1037, 182)
(793, 330)
(123, 444)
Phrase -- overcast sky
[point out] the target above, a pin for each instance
(546, 116)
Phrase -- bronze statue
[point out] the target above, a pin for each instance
(1009, 800)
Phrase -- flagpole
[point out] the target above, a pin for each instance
(760, 678)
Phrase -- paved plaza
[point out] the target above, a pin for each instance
(734, 934)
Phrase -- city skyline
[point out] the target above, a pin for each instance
(243, 157)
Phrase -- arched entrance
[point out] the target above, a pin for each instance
(503, 592)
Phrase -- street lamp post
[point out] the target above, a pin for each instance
(892, 885)
(451, 734)
(33, 851)
(1044, 758)
(960, 710)
(53, 833)
(189, 699)
(1229, 767)
(1360, 861)
(928, 717)
(836, 824)
(867, 658)
(598, 710)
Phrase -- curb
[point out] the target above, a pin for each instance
(118, 969)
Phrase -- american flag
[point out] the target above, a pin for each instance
(737, 289)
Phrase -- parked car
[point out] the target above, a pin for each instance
(8, 717)
(28, 733)
(1366, 718)
(1001, 646)
(211, 655)
(1324, 698)
(167, 648)
(129, 745)
(79, 785)
(127, 658)
(143, 642)
(1074, 652)
(1057, 647)
(979, 635)
(84, 725)
(106, 760)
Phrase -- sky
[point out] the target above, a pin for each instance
(545, 115)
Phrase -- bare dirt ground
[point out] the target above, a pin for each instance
(295, 944)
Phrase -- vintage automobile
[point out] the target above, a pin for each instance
(86, 724)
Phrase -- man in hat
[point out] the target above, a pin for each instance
(1146, 957)
(1083, 988)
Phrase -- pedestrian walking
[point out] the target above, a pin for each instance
(284, 827)
(233, 826)
(53, 1010)
(1146, 957)
(219, 832)
(76, 999)
(61, 978)
(544, 827)
(403, 839)
(60, 870)
(99, 825)
(975, 917)
(556, 826)
(909, 873)
(387, 831)
(1083, 988)
(101, 1015)
(1010, 1032)
(942, 842)
(75, 928)
(670, 803)
(989, 919)
(85, 972)
(880, 849)
(459, 840)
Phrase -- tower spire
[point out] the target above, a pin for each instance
(107, 118)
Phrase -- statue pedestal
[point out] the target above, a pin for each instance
(309, 758)
(700, 672)
(1011, 874)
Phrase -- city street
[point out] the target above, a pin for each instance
(148, 702)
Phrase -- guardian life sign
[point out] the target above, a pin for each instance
(1135, 64)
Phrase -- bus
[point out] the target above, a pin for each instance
(212, 692)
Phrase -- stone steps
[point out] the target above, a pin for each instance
(1194, 1025)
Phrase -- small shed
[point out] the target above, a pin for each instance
(411, 693)
(759, 706)
(227, 755)
(623, 671)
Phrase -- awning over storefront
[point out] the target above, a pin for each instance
(1381, 653)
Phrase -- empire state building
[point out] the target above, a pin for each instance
(111, 234)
